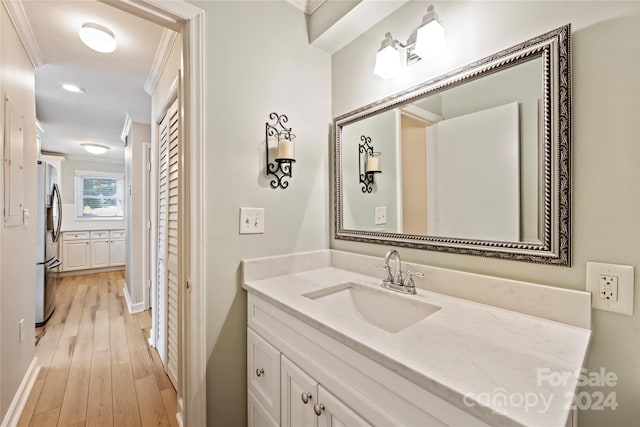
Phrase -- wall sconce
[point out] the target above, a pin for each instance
(278, 132)
(368, 160)
(427, 42)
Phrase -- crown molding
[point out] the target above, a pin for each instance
(167, 40)
(18, 17)
(307, 6)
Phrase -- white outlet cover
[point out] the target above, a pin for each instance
(624, 273)
(380, 215)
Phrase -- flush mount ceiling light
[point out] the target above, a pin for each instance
(69, 87)
(97, 37)
(95, 149)
(427, 42)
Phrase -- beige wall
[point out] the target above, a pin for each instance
(258, 61)
(606, 149)
(414, 175)
(17, 244)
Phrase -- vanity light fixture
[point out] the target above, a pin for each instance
(368, 160)
(97, 37)
(69, 87)
(95, 149)
(276, 131)
(427, 42)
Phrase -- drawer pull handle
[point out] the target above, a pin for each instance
(260, 372)
(318, 408)
(306, 397)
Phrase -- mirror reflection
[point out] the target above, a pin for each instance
(461, 163)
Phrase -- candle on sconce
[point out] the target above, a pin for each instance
(373, 163)
(285, 149)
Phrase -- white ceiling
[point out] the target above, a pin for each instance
(114, 82)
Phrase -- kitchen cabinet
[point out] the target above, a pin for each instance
(117, 247)
(85, 250)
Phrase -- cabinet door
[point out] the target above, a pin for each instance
(99, 253)
(76, 255)
(117, 252)
(298, 395)
(263, 373)
(257, 416)
(333, 413)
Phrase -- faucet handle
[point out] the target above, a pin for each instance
(387, 273)
(408, 281)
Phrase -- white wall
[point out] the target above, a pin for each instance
(258, 61)
(359, 207)
(67, 192)
(17, 244)
(606, 107)
(135, 170)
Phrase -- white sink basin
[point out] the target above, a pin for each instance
(378, 307)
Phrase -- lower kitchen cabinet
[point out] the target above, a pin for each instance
(84, 250)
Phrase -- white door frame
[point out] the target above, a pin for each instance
(146, 231)
(188, 19)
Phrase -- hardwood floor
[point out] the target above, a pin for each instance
(96, 366)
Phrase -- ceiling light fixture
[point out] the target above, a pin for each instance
(69, 87)
(95, 149)
(97, 37)
(427, 42)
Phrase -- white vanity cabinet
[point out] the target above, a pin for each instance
(322, 382)
(306, 403)
(117, 247)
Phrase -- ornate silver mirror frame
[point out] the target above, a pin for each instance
(555, 164)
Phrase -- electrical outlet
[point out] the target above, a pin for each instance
(380, 215)
(611, 287)
(251, 220)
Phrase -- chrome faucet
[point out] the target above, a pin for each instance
(396, 282)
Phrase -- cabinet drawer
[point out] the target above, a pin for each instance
(76, 235)
(263, 373)
(117, 234)
(99, 234)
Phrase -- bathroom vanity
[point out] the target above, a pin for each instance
(327, 345)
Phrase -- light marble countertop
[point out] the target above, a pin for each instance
(491, 362)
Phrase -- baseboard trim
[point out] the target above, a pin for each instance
(14, 412)
(133, 308)
(91, 271)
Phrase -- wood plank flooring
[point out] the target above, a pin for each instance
(97, 368)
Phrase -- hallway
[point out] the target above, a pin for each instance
(96, 366)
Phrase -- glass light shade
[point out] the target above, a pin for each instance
(388, 62)
(97, 37)
(95, 149)
(430, 41)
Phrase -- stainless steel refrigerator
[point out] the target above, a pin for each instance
(49, 221)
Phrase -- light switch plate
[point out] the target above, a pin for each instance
(624, 275)
(251, 220)
(26, 215)
(380, 215)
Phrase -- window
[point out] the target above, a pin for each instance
(99, 195)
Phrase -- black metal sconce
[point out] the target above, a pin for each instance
(278, 131)
(368, 160)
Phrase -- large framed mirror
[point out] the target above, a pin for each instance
(476, 161)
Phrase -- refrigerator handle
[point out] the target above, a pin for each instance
(55, 264)
(56, 232)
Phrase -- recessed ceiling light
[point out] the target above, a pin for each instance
(97, 37)
(72, 88)
(95, 149)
